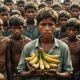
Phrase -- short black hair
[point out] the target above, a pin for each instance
(30, 5)
(45, 13)
(64, 13)
(73, 23)
(20, 2)
(16, 21)
(56, 5)
(4, 8)
(75, 5)
(8, 1)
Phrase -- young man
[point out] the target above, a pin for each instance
(60, 32)
(17, 42)
(72, 28)
(3, 47)
(49, 2)
(47, 18)
(30, 24)
(4, 14)
(66, 4)
(75, 10)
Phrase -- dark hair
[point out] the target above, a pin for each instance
(20, 2)
(4, 9)
(13, 12)
(46, 13)
(75, 6)
(16, 20)
(8, 1)
(64, 13)
(73, 23)
(67, 1)
(30, 5)
(42, 5)
(48, 0)
(56, 5)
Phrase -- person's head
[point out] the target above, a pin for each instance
(46, 21)
(63, 17)
(49, 2)
(1, 26)
(16, 25)
(72, 27)
(15, 12)
(20, 6)
(30, 10)
(67, 4)
(42, 5)
(57, 7)
(75, 10)
(4, 13)
(9, 3)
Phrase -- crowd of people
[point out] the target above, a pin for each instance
(26, 27)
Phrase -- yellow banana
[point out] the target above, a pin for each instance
(46, 65)
(30, 58)
(34, 61)
(36, 66)
(41, 63)
(49, 59)
(52, 65)
(52, 56)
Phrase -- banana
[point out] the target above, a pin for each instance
(41, 63)
(30, 58)
(30, 67)
(46, 65)
(49, 59)
(52, 65)
(52, 56)
(36, 66)
(34, 61)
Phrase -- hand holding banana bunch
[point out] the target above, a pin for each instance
(43, 61)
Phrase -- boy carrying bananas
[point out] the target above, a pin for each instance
(45, 58)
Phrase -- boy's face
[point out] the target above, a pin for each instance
(30, 13)
(57, 9)
(71, 32)
(17, 30)
(62, 21)
(49, 3)
(46, 27)
(67, 5)
(75, 12)
(10, 5)
(4, 16)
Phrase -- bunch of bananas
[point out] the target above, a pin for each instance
(43, 61)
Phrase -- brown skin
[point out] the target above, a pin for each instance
(74, 45)
(3, 47)
(17, 42)
(46, 28)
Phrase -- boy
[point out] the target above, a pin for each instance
(60, 32)
(72, 28)
(17, 42)
(3, 48)
(46, 19)
(30, 23)
(75, 10)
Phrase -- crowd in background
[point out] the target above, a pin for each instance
(18, 26)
